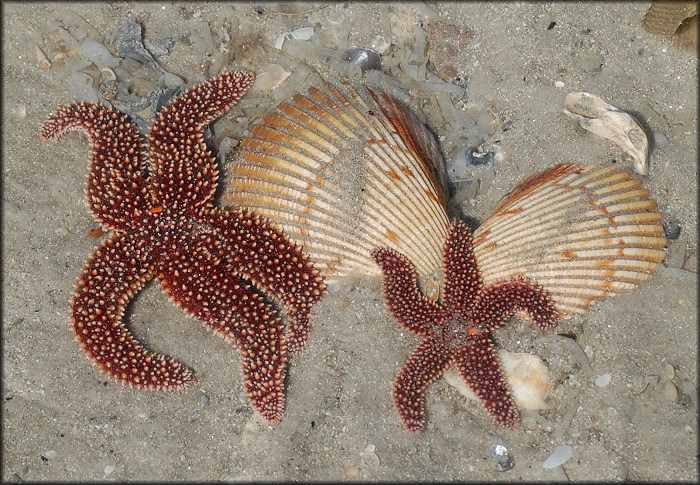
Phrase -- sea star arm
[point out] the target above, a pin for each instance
(262, 254)
(199, 281)
(462, 278)
(114, 273)
(407, 303)
(499, 300)
(479, 367)
(184, 172)
(116, 191)
(428, 362)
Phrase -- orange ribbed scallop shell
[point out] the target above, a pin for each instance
(349, 169)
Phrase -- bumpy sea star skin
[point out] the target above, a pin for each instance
(208, 260)
(458, 330)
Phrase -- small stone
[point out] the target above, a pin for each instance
(446, 42)
(672, 230)
(660, 138)
(603, 380)
(504, 462)
(559, 84)
(109, 469)
(669, 391)
(352, 471)
(365, 58)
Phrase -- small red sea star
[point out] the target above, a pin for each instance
(458, 330)
(210, 261)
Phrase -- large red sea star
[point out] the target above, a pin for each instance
(210, 261)
(458, 330)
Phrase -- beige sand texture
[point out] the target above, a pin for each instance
(63, 419)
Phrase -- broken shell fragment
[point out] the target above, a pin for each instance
(677, 21)
(527, 377)
(609, 122)
(41, 58)
(270, 79)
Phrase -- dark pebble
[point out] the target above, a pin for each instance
(672, 230)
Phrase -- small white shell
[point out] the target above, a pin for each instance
(611, 123)
(527, 377)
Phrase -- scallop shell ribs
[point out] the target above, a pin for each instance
(350, 169)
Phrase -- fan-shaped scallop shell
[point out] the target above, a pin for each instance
(340, 172)
(350, 169)
(581, 233)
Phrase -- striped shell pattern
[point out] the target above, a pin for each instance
(350, 169)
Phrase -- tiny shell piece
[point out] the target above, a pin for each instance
(270, 79)
(305, 33)
(431, 289)
(669, 391)
(607, 121)
(41, 58)
(669, 371)
(559, 456)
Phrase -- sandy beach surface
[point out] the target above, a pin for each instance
(625, 393)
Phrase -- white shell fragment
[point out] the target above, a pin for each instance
(611, 123)
(305, 33)
(559, 456)
(270, 79)
(527, 378)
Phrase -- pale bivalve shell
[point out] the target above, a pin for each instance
(580, 233)
(343, 172)
(349, 169)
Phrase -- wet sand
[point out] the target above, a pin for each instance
(65, 420)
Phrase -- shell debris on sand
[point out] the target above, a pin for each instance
(677, 21)
(611, 123)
